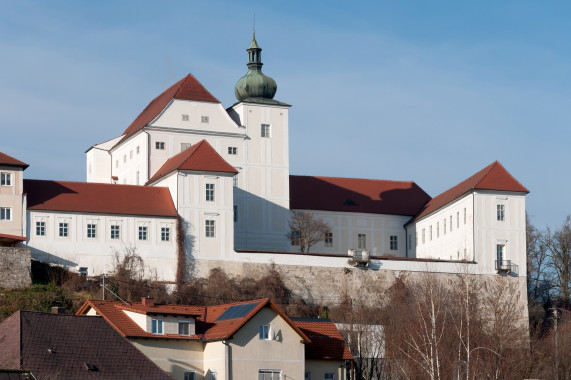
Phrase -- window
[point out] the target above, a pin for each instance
(160, 145)
(430, 233)
(394, 243)
(142, 232)
(83, 271)
(63, 229)
(501, 213)
(91, 230)
(416, 239)
(116, 163)
(307, 375)
(444, 226)
(235, 213)
(131, 154)
(6, 179)
(264, 332)
(184, 328)
(205, 119)
(500, 250)
(157, 326)
(294, 238)
(265, 130)
(189, 375)
(210, 192)
(40, 228)
(329, 239)
(124, 158)
(464, 215)
(437, 229)
(423, 234)
(185, 117)
(185, 146)
(235, 180)
(362, 241)
(458, 219)
(450, 223)
(137, 177)
(137, 149)
(232, 150)
(210, 228)
(115, 232)
(165, 234)
(5, 213)
(329, 376)
(212, 374)
(269, 374)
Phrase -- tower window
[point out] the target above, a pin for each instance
(501, 213)
(265, 130)
(185, 117)
(91, 231)
(160, 145)
(205, 119)
(210, 192)
(232, 150)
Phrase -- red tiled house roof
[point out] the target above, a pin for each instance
(59, 346)
(11, 161)
(188, 88)
(199, 157)
(207, 326)
(99, 198)
(356, 195)
(326, 341)
(492, 177)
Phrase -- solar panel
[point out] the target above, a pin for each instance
(237, 311)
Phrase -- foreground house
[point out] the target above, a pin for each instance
(58, 346)
(243, 340)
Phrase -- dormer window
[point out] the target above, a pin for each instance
(184, 328)
(6, 179)
(157, 326)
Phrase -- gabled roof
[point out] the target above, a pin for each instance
(188, 88)
(59, 346)
(492, 177)
(326, 341)
(11, 161)
(355, 195)
(199, 157)
(99, 198)
(208, 325)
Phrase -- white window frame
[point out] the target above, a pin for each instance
(83, 271)
(210, 228)
(451, 223)
(275, 374)
(6, 214)
(205, 119)
(91, 230)
(361, 241)
(394, 242)
(210, 188)
(185, 146)
(157, 326)
(185, 117)
(423, 236)
(160, 145)
(232, 150)
(142, 233)
(457, 219)
(184, 322)
(5, 179)
(265, 332)
(115, 231)
(500, 212)
(500, 252)
(63, 229)
(430, 233)
(266, 130)
(328, 239)
(40, 228)
(165, 233)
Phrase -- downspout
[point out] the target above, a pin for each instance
(226, 360)
(474, 226)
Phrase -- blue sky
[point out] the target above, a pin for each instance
(424, 91)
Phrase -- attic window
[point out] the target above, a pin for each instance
(205, 119)
(90, 367)
(349, 202)
(185, 117)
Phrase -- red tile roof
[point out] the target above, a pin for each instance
(199, 157)
(58, 346)
(356, 195)
(326, 341)
(13, 237)
(207, 326)
(188, 88)
(11, 161)
(99, 198)
(492, 177)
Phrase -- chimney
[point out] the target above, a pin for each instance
(58, 310)
(148, 301)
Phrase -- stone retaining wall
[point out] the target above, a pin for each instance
(15, 267)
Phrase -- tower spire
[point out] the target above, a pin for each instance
(255, 84)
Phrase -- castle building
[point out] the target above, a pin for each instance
(217, 181)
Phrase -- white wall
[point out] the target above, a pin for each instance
(98, 254)
(129, 160)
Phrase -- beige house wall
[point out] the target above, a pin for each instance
(11, 197)
(318, 369)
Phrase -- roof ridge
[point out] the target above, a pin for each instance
(354, 178)
(489, 167)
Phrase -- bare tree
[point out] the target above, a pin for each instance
(306, 229)
(559, 244)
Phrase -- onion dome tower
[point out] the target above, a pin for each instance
(255, 87)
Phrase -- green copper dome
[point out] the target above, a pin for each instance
(255, 84)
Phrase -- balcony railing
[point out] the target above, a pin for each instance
(505, 266)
